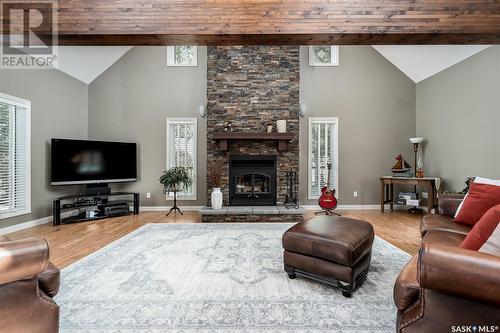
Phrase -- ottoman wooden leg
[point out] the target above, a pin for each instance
(290, 271)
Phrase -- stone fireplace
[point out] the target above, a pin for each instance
(251, 87)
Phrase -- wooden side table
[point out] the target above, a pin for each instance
(387, 190)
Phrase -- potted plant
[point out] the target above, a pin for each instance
(215, 174)
(173, 180)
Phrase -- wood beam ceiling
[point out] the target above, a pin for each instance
(160, 22)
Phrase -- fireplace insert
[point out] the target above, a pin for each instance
(252, 180)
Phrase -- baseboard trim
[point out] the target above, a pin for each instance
(32, 223)
(25, 225)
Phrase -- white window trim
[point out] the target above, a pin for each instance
(335, 162)
(171, 62)
(195, 150)
(25, 104)
(334, 50)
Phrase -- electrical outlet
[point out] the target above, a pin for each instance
(425, 195)
(148, 195)
(355, 194)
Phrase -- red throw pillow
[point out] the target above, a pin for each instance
(483, 229)
(480, 198)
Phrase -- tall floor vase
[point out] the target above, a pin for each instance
(216, 198)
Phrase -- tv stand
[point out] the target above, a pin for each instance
(86, 205)
(98, 189)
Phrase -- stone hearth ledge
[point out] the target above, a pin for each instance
(252, 210)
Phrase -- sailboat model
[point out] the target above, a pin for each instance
(401, 168)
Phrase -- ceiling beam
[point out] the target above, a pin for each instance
(202, 22)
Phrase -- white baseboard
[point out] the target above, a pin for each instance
(32, 223)
(167, 208)
(25, 225)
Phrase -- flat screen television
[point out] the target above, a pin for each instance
(92, 162)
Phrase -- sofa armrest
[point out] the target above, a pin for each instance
(448, 203)
(460, 272)
(23, 259)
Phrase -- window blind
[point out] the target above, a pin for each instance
(14, 158)
(181, 150)
(322, 149)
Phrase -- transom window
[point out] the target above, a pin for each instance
(324, 55)
(182, 55)
(323, 148)
(181, 150)
(15, 182)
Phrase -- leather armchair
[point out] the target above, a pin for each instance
(444, 285)
(27, 284)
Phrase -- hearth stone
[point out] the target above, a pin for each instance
(252, 214)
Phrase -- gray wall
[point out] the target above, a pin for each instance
(375, 104)
(458, 114)
(131, 101)
(58, 109)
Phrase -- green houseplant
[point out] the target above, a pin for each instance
(173, 180)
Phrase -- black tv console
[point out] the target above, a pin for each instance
(86, 206)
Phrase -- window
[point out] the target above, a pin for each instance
(181, 150)
(324, 55)
(15, 174)
(323, 147)
(182, 55)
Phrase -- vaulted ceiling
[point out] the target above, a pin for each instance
(87, 63)
(418, 62)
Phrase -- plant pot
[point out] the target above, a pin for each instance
(216, 198)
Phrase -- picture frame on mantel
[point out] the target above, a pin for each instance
(323, 55)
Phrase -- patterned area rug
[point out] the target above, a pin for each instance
(217, 278)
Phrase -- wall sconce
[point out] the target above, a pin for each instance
(302, 110)
(202, 111)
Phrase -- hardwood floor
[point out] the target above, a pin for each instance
(71, 242)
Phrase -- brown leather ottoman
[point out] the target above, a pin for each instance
(330, 249)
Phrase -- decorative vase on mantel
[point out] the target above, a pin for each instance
(216, 198)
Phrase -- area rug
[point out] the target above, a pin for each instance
(217, 278)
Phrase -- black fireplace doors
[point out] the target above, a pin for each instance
(252, 180)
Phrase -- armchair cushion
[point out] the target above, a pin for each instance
(443, 237)
(437, 222)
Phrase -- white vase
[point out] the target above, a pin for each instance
(216, 198)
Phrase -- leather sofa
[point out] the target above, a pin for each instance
(445, 288)
(28, 282)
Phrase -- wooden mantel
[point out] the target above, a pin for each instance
(281, 138)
